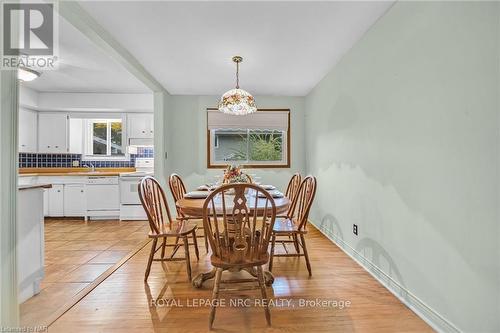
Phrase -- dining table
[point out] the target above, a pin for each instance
(194, 207)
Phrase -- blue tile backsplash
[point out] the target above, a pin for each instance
(34, 160)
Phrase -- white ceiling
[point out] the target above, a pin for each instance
(83, 67)
(187, 46)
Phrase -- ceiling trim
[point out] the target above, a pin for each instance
(86, 24)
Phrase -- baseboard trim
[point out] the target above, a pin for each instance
(429, 315)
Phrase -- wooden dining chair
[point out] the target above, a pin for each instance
(292, 189)
(293, 186)
(294, 226)
(238, 228)
(163, 227)
(249, 178)
(178, 190)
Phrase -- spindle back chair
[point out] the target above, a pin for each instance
(162, 226)
(294, 225)
(239, 220)
(178, 190)
(292, 189)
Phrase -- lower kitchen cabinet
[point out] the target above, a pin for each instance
(94, 197)
(74, 200)
(56, 200)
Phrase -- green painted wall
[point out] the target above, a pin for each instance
(187, 153)
(403, 135)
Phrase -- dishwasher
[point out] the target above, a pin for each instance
(103, 197)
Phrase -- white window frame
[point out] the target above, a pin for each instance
(88, 140)
(283, 163)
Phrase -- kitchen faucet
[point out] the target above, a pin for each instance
(91, 167)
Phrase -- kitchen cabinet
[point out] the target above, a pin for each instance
(76, 136)
(28, 121)
(140, 126)
(74, 200)
(52, 132)
(56, 200)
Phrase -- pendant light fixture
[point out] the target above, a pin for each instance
(237, 101)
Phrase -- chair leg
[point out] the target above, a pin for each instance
(164, 245)
(308, 264)
(176, 247)
(150, 260)
(262, 284)
(215, 296)
(206, 240)
(296, 243)
(188, 260)
(195, 243)
(273, 242)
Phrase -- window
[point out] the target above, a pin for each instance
(104, 139)
(260, 140)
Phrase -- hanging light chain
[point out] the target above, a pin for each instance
(237, 60)
(237, 75)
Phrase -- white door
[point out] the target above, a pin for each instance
(140, 126)
(52, 132)
(74, 200)
(56, 200)
(27, 131)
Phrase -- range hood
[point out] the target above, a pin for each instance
(138, 142)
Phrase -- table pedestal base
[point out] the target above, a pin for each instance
(200, 278)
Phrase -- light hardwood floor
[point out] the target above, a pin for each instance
(122, 303)
(76, 253)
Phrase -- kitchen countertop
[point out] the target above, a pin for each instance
(31, 172)
(33, 186)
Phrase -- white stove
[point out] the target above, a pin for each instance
(144, 166)
(130, 204)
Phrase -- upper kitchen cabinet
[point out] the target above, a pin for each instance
(76, 135)
(52, 132)
(27, 131)
(140, 126)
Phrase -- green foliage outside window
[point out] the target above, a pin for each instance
(261, 147)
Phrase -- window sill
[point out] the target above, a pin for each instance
(249, 166)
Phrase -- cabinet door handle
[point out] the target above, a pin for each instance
(143, 131)
(81, 191)
(23, 145)
(58, 190)
(57, 146)
(48, 146)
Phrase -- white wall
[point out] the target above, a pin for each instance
(403, 135)
(28, 97)
(187, 151)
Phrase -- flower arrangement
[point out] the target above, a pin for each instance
(233, 174)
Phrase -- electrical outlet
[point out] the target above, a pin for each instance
(355, 229)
